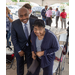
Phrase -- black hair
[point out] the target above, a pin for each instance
(63, 9)
(39, 23)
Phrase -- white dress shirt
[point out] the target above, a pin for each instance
(28, 26)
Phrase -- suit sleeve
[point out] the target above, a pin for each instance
(54, 47)
(42, 13)
(14, 38)
(32, 48)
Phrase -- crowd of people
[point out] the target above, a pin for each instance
(31, 40)
(47, 16)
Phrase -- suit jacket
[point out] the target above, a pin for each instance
(32, 16)
(49, 45)
(18, 36)
(43, 12)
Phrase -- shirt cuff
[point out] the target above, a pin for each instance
(19, 51)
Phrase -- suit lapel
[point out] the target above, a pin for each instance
(21, 29)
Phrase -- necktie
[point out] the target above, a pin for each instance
(26, 31)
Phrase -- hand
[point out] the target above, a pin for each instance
(40, 53)
(33, 55)
(21, 53)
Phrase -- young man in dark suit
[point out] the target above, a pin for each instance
(28, 6)
(43, 12)
(20, 36)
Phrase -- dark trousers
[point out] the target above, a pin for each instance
(46, 71)
(57, 18)
(48, 21)
(20, 62)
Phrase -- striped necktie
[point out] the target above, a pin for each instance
(26, 31)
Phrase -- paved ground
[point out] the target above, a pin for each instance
(64, 72)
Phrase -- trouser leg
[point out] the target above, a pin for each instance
(57, 18)
(20, 65)
(48, 21)
(65, 23)
(62, 23)
(48, 70)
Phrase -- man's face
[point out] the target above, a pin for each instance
(63, 10)
(39, 31)
(23, 16)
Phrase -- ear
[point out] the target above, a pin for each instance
(30, 11)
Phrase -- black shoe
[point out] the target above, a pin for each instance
(25, 62)
(29, 73)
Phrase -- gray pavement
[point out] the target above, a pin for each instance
(64, 72)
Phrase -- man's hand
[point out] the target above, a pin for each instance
(33, 55)
(21, 53)
(40, 53)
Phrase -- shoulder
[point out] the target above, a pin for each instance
(14, 23)
(32, 16)
(32, 19)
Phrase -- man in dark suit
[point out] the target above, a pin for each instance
(43, 12)
(20, 36)
(28, 6)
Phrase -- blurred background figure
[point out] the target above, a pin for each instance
(28, 6)
(63, 16)
(49, 17)
(43, 12)
(9, 20)
(57, 17)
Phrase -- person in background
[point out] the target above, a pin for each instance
(57, 17)
(44, 44)
(43, 12)
(49, 17)
(9, 20)
(28, 6)
(63, 16)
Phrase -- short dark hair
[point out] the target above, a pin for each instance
(63, 9)
(39, 23)
(28, 6)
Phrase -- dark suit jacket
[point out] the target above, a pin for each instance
(18, 36)
(32, 16)
(49, 45)
(43, 12)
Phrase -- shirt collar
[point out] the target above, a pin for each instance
(26, 23)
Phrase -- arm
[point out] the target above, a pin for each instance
(42, 13)
(9, 17)
(14, 38)
(61, 16)
(54, 47)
